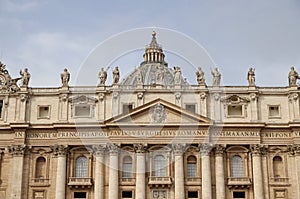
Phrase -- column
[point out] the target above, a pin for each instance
(206, 172)
(265, 172)
(17, 151)
(257, 172)
(296, 149)
(60, 151)
(219, 169)
(113, 189)
(140, 190)
(178, 150)
(99, 152)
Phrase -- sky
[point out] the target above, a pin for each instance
(47, 36)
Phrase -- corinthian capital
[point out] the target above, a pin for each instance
(59, 150)
(99, 149)
(256, 149)
(17, 150)
(113, 148)
(140, 148)
(219, 150)
(205, 148)
(178, 149)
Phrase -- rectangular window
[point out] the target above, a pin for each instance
(126, 194)
(191, 170)
(79, 195)
(193, 194)
(235, 110)
(274, 111)
(1, 107)
(82, 111)
(43, 111)
(127, 170)
(191, 108)
(127, 108)
(238, 194)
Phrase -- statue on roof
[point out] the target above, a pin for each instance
(116, 75)
(3, 68)
(251, 77)
(102, 76)
(65, 78)
(293, 76)
(25, 77)
(177, 75)
(216, 77)
(200, 77)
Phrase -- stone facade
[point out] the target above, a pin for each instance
(151, 136)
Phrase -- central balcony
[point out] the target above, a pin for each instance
(157, 181)
(241, 182)
(79, 182)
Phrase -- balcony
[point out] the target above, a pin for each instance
(39, 182)
(79, 182)
(193, 181)
(157, 181)
(242, 182)
(279, 181)
(127, 181)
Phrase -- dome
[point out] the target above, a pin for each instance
(154, 70)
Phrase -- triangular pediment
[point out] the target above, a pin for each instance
(159, 112)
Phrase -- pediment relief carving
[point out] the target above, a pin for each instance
(83, 100)
(159, 112)
(235, 99)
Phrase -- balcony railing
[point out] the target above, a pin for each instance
(39, 182)
(78, 182)
(239, 182)
(193, 180)
(160, 181)
(279, 180)
(127, 181)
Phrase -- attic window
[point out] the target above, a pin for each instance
(127, 108)
(235, 110)
(190, 107)
(43, 111)
(82, 110)
(274, 111)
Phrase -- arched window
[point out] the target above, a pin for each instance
(81, 167)
(277, 167)
(160, 166)
(191, 166)
(40, 167)
(237, 169)
(127, 167)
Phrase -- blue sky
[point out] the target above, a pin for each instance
(47, 36)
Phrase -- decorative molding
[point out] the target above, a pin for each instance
(235, 99)
(140, 95)
(203, 96)
(83, 100)
(63, 97)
